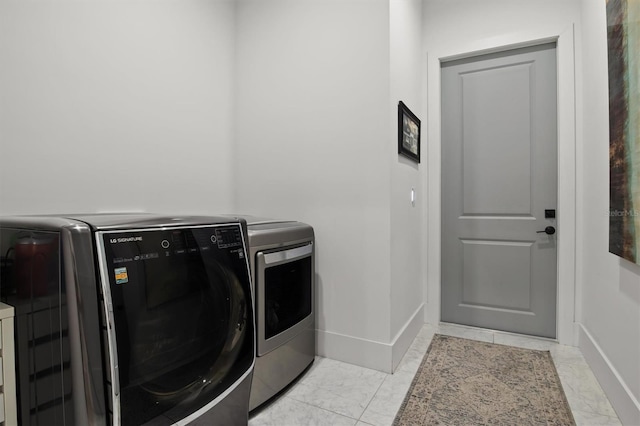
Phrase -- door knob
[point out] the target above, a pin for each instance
(549, 230)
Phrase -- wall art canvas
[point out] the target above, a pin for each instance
(623, 39)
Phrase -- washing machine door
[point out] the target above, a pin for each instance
(178, 319)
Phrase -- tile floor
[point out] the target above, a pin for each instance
(335, 393)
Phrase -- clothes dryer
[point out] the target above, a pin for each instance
(282, 258)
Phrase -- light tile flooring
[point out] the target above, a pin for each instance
(335, 393)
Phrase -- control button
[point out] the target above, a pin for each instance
(164, 244)
(214, 239)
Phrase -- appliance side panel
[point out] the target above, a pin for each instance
(31, 283)
(49, 277)
(84, 326)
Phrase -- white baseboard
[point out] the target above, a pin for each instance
(354, 350)
(368, 353)
(405, 336)
(623, 401)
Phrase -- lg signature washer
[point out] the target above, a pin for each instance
(130, 319)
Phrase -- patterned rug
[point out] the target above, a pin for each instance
(465, 382)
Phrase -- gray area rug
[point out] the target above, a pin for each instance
(466, 382)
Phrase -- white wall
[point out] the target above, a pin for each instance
(610, 286)
(312, 143)
(407, 231)
(280, 108)
(116, 105)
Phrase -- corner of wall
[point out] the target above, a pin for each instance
(405, 337)
(354, 350)
(379, 356)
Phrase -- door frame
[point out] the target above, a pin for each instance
(566, 221)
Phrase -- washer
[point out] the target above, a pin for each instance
(130, 319)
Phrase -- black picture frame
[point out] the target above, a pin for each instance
(408, 133)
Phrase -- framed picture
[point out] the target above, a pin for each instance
(408, 133)
(623, 40)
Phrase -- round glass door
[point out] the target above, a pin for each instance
(183, 320)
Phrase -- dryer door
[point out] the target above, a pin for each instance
(178, 308)
(285, 295)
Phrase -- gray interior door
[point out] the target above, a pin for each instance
(499, 176)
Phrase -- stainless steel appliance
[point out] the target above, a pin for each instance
(129, 319)
(282, 263)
